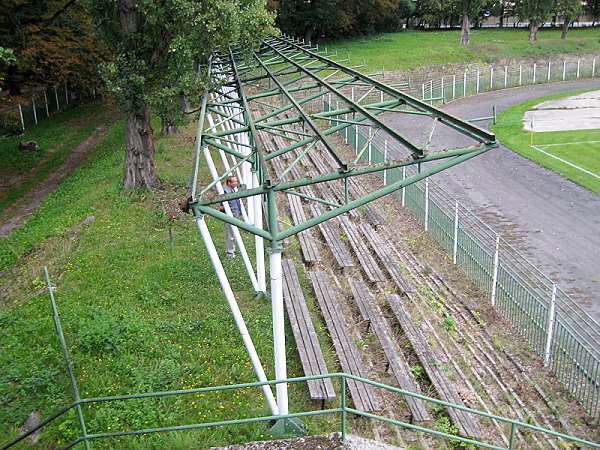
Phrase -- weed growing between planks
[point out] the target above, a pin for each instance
(137, 316)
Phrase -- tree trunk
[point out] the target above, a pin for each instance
(533, 29)
(168, 128)
(308, 35)
(139, 170)
(565, 28)
(466, 27)
(12, 81)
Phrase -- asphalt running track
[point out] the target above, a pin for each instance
(553, 222)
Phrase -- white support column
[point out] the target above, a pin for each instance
(278, 328)
(455, 246)
(369, 146)
(495, 275)
(34, 111)
(259, 242)
(237, 315)
(427, 204)
(551, 319)
(385, 151)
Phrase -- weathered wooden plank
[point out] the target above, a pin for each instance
(467, 424)
(362, 394)
(390, 260)
(362, 251)
(371, 311)
(337, 247)
(304, 333)
(308, 244)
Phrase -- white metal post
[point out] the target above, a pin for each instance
(385, 151)
(477, 88)
(431, 91)
(534, 70)
(465, 85)
(594, 68)
(551, 319)
(549, 70)
(427, 204)
(34, 111)
(259, 242)
(21, 115)
(369, 146)
(237, 315)
(520, 74)
(278, 328)
(403, 187)
(423, 91)
(495, 275)
(453, 87)
(455, 247)
(46, 102)
(505, 76)
(564, 70)
(578, 64)
(443, 96)
(492, 79)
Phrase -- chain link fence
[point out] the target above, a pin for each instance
(20, 117)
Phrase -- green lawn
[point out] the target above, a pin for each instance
(137, 316)
(574, 148)
(411, 49)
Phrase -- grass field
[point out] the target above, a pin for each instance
(418, 49)
(573, 154)
(137, 316)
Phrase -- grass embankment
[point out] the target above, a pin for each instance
(137, 316)
(581, 147)
(56, 136)
(410, 49)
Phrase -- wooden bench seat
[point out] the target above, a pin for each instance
(362, 394)
(338, 249)
(371, 311)
(308, 244)
(466, 423)
(388, 257)
(362, 251)
(307, 343)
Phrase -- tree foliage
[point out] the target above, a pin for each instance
(157, 46)
(568, 10)
(54, 44)
(536, 12)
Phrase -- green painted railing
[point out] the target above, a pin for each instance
(561, 333)
(512, 426)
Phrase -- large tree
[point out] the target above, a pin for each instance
(536, 12)
(568, 10)
(156, 45)
(54, 44)
(470, 10)
(592, 8)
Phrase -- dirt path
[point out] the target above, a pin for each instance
(26, 205)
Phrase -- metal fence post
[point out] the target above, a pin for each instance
(594, 68)
(551, 318)
(564, 69)
(465, 85)
(21, 115)
(453, 86)
(495, 275)
(455, 247)
(492, 79)
(46, 102)
(520, 73)
(477, 88)
(427, 204)
(431, 91)
(578, 64)
(443, 95)
(385, 151)
(370, 146)
(423, 91)
(403, 187)
(549, 66)
(505, 76)
(34, 111)
(534, 69)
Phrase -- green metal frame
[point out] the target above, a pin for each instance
(288, 78)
